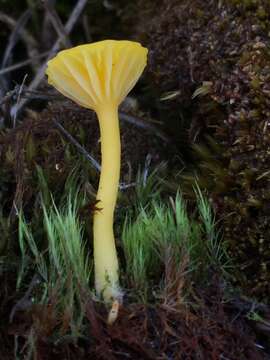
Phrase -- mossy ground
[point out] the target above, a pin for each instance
(219, 51)
(182, 315)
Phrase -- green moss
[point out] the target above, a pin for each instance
(233, 55)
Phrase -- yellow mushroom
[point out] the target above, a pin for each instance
(98, 76)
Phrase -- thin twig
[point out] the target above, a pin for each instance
(27, 38)
(12, 41)
(148, 160)
(23, 63)
(18, 99)
(47, 35)
(14, 36)
(81, 149)
(39, 76)
(143, 124)
(57, 23)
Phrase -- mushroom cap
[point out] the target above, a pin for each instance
(99, 73)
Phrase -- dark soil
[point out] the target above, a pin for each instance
(211, 329)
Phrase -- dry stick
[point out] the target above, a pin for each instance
(23, 63)
(14, 36)
(27, 38)
(82, 150)
(39, 76)
(18, 99)
(144, 125)
(57, 23)
(78, 146)
(47, 35)
(12, 41)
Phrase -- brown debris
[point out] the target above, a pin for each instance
(208, 331)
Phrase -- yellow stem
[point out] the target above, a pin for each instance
(105, 256)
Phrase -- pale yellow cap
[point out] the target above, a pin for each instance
(99, 73)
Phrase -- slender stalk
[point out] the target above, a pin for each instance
(105, 256)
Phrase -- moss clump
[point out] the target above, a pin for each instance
(226, 45)
(38, 143)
